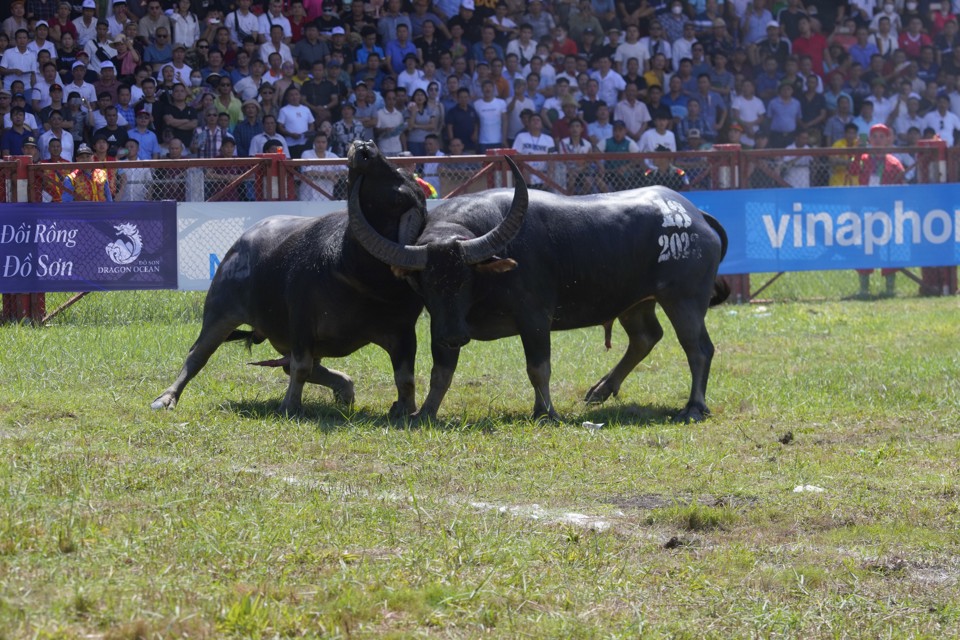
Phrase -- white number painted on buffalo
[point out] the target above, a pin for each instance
(674, 214)
(678, 246)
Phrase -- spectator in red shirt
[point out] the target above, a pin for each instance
(872, 168)
(913, 39)
(813, 44)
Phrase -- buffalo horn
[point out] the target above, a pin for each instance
(384, 249)
(483, 248)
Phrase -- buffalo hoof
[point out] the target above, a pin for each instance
(345, 395)
(422, 417)
(692, 414)
(599, 392)
(166, 401)
(401, 412)
(290, 410)
(547, 417)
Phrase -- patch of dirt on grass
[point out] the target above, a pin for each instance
(651, 501)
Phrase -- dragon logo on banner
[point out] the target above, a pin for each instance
(127, 248)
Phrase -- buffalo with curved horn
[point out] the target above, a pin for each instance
(498, 264)
(310, 288)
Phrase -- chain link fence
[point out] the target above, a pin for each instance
(723, 167)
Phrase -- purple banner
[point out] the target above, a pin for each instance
(88, 246)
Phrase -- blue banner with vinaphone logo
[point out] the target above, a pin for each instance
(773, 230)
(88, 246)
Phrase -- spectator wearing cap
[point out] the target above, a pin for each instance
(619, 174)
(181, 70)
(581, 19)
(118, 18)
(154, 19)
(328, 19)
(873, 169)
(18, 63)
(944, 122)
(108, 82)
(20, 100)
(41, 41)
(148, 144)
(100, 49)
(11, 142)
(88, 95)
(658, 136)
(31, 150)
(88, 183)
(909, 118)
(86, 24)
(718, 38)
(774, 45)
(57, 103)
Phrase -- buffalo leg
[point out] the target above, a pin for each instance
(688, 319)
(301, 368)
(441, 376)
(337, 381)
(340, 383)
(644, 332)
(403, 354)
(536, 348)
(212, 335)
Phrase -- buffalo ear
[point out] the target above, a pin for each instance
(400, 273)
(497, 265)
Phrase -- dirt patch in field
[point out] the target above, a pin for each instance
(659, 501)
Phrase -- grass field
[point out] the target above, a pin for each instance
(222, 519)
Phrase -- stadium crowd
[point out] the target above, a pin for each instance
(152, 79)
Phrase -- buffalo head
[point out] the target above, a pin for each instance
(446, 258)
(388, 189)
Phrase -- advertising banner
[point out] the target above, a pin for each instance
(88, 246)
(773, 230)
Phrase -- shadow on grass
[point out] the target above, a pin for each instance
(630, 414)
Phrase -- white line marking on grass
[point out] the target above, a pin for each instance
(536, 512)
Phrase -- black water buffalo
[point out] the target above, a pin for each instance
(498, 264)
(308, 286)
